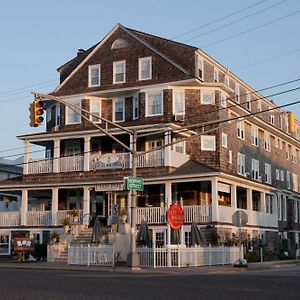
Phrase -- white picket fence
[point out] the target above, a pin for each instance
(178, 256)
(102, 255)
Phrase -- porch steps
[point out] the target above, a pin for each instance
(84, 237)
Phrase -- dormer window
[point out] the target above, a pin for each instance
(145, 68)
(119, 71)
(94, 75)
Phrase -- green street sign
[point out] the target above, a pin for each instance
(135, 183)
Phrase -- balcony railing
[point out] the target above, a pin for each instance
(71, 163)
(40, 166)
(156, 215)
(39, 218)
(10, 218)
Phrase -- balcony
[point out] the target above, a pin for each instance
(88, 162)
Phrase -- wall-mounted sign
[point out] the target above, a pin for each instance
(23, 245)
(109, 187)
(175, 216)
(109, 161)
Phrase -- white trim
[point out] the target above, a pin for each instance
(69, 109)
(90, 68)
(134, 98)
(210, 139)
(224, 140)
(173, 101)
(162, 103)
(99, 102)
(114, 109)
(141, 60)
(210, 94)
(115, 65)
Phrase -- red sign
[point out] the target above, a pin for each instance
(23, 245)
(175, 216)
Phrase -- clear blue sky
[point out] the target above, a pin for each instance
(38, 36)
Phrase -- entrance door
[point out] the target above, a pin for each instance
(4, 244)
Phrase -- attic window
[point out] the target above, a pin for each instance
(119, 44)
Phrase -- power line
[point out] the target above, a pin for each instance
(219, 19)
(234, 22)
(251, 29)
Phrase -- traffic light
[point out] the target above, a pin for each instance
(36, 113)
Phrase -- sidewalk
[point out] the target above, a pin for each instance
(191, 270)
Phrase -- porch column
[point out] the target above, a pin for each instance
(214, 201)
(168, 201)
(54, 206)
(26, 157)
(56, 156)
(24, 207)
(233, 196)
(86, 204)
(167, 158)
(87, 150)
(249, 200)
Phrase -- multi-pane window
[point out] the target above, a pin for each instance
(254, 135)
(145, 68)
(286, 124)
(295, 182)
(119, 110)
(282, 175)
(200, 69)
(237, 93)
(119, 71)
(280, 122)
(178, 146)
(207, 97)
(268, 178)
(294, 155)
(223, 100)
(255, 169)
(72, 115)
(208, 143)
(241, 129)
(258, 105)
(224, 140)
(287, 153)
(94, 75)
(283, 208)
(241, 163)
(271, 116)
(135, 107)
(248, 101)
(178, 102)
(269, 203)
(226, 80)
(267, 141)
(216, 75)
(230, 156)
(154, 104)
(288, 179)
(57, 114)
(296, 211)
(277, 174)
(95, 109)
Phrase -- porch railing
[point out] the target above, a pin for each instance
(102, 255)
(152, 215)
(40, 166)
(10, 218)
(156, 215)
(181, 256)
(39, 218)
(151, 159)
(71, 163)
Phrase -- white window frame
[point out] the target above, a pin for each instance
(287, 152)
(259, 107)
(268, 173)
(90, 81)
(288, 179)
(237, 93)
(216, 75)
(226, 80)
(248, 101)
(135, 107)
(70, 112)
(162, 103)
(223, 100)
(115, 101)
(48, 115)
(241, 130)
(141, 61)
(200, 67)
(255, 169)
(208, 139)
(282, 175)
(182, 93)
(57, 114)
(115, 66)
(241, 164)
(94, 102)
(203, 98)
(295, 182)
(269, 203)
(230, 156)
(277, 174)
(224, 139)
(267, 141)
(254, 135)
(271, 116)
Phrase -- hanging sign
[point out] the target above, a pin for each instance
(175, 216)
(23, 245)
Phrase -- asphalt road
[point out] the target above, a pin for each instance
(273, 284)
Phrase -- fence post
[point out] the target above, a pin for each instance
(209, 251)
(88, 255)
(178, 255)
(154, 256)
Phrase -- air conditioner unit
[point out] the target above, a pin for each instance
(179, 118)
(55, 128)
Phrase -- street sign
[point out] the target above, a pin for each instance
(135, 183)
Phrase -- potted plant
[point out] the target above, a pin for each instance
(75, 215)
(55, 237)
(66, 223)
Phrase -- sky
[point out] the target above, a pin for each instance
(258, 40)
